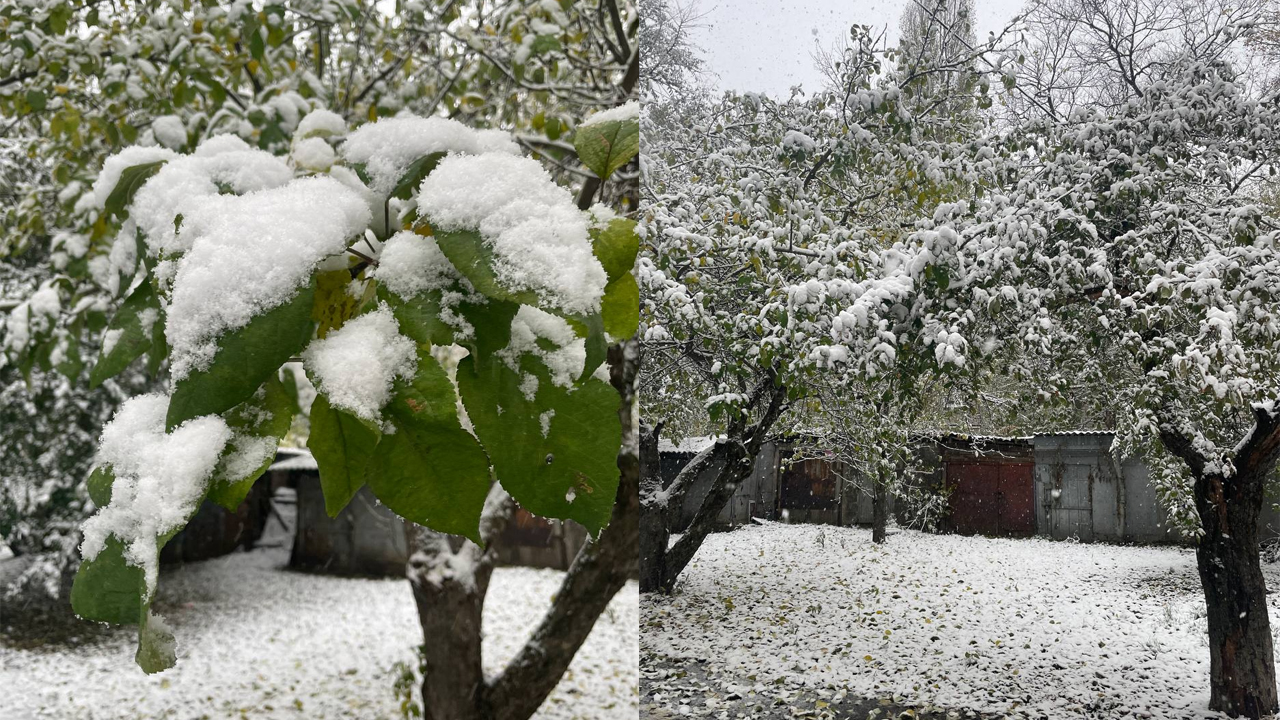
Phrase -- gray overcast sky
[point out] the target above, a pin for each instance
(767, 45)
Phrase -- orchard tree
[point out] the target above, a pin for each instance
(455, 311)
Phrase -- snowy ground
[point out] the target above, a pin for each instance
(814, 617)
(258, 641)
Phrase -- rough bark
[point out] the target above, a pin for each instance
(450, 578)
(879, 509)
(739, 449)
(1242, 667)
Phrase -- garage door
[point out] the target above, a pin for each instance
(995, 499)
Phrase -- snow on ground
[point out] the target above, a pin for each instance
(1025, 628)
(256, 640)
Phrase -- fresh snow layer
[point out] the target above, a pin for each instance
(1022, 628)
(250, 254)
(169, 131)
(566, 358)
(321, 123)
(411, 264)
(259, 641)
(313, 154)
(629, 110)
(184, 184)
(355, 365)
(116, 164)
(159, 478)
(538, 236)
(388, 147)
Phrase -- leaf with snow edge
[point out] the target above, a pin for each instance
(421, 319)
(108, 589)
(615, 245)
(621, 307)
(582, 440)
(431, 471)
(99, 485)
(606, 146)
(473, 258)
(159, 350)
(265, 417)
(342, 445)
(246, 358)
(131, 180)
(133, 339)
(155, 644)
(412, 177)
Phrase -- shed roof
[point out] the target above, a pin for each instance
(294, 459)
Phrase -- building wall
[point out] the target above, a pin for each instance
(1082, 491)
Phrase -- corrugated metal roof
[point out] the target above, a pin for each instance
(1055, 433)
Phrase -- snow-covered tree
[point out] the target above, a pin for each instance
(454, 309)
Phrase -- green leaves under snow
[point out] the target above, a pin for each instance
(430, 471)
(131, 333)
(342, 445)
(107, 589)
(246, 358)
(131, 180)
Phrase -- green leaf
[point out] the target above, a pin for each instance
(36, 99)
(597, 344)
(474, 259)
(412, 178)
(544, 43)
(132, 336)
(266, 415)
(246, 358)
(418, 316)
(99, 485)
(131, 179)
(621, 307)
(155, 644)
(342, 445)
(615, 246)
(106, 589)
(606, 146)
(430, 471)
(570, 471)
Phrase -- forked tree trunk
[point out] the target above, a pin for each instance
(450, 577)
(662, 566)
(879, 509)
(1242, 676)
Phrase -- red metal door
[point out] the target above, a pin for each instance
(1017, 493)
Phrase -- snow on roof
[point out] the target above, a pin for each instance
(294, 459)
(688, 445)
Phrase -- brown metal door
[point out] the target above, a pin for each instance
(975, 498)
(1017, 493)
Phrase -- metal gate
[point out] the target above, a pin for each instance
(991, 498)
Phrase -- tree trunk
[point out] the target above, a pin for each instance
(654, 535)
(879, 509)
(738, 452)
(1242, 667)
(450, 606)
(1242, 676)
(450, 577)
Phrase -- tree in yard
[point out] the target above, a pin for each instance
(1141, 250)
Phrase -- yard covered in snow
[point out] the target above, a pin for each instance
(259, 641)
(1025, 628)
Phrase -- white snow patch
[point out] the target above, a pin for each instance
(170, 131)
(538, 236)
(411, 264)
(356, 365)
(250, 254)
(388, 147)
(313, 154)
(629, 110)
(116, 164)
(159, 478)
